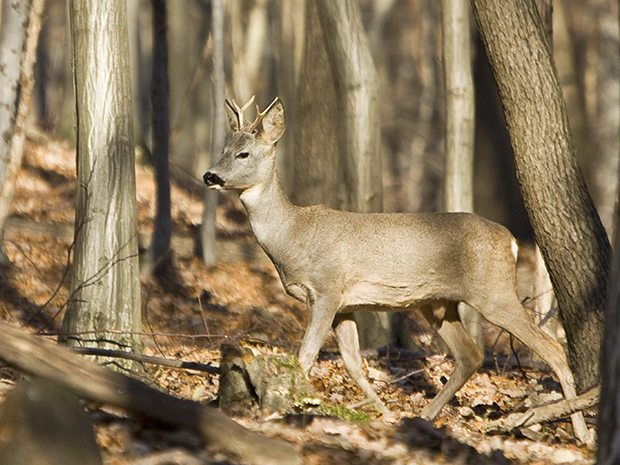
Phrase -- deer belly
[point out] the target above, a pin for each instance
(382, 294)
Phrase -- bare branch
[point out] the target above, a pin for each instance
(547, 412)
(208, 368)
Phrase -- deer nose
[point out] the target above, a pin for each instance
(212, 179)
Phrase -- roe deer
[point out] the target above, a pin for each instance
(340, 262)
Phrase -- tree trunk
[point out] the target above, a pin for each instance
(289, 33)
(12, 37)
(357, 95)
(608, 429)
(105, 285)
(16, 111)
(218, 140)
(459, 91)
(566, 225)
(543, 290)
(358, 147)
(249, 36)
(160, 115)
(315, 174)
(609, 408)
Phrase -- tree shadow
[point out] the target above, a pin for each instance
(26, 311)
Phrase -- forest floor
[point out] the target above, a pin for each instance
(189, 313)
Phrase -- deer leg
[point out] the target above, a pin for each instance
(512, 317)
(320, 322)
(444, 318)
(348, 342)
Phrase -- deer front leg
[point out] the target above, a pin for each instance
(348, 342)
(322, 313)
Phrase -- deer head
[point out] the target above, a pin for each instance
(249, 157)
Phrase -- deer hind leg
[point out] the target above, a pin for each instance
(348, 342)
(444, 318)
(512, 317)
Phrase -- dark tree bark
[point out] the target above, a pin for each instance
(609, 408)
(160, 114)
(566, 225)
(105, 284)
(19, 36)
(608, 452)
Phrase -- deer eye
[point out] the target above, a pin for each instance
(242, 155)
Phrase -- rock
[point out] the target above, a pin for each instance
(378, 375)
(42, 423)
(467, 413)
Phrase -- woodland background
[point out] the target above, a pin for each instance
(263, 48)
(241, 298)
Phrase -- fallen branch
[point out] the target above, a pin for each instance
(87, 379)
(148, 359)
(547, 412)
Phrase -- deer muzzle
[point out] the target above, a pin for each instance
(213, 180)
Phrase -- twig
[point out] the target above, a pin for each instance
(548, 412)
(360, 404)
(514, 352)
(208, 368)
(148, 323)
(136, 333)
(414, 372)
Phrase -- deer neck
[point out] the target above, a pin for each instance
(271, 214)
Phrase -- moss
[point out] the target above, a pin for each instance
(346, 414)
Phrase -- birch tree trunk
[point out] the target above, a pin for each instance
(566, 225)
(19, 36)
(12, 37)
(105, 285)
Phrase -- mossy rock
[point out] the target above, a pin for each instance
(275, 383)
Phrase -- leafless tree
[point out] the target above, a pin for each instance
(19, 36)
(218, 138)
(105, 284)
(566, 225)
(160, 115)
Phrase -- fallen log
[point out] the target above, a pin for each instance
(221, 435)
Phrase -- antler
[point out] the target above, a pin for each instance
(260, 115)
(241, 110)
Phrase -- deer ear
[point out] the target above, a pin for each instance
(233, 116)
(273, 123)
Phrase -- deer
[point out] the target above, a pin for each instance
(340, 262)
